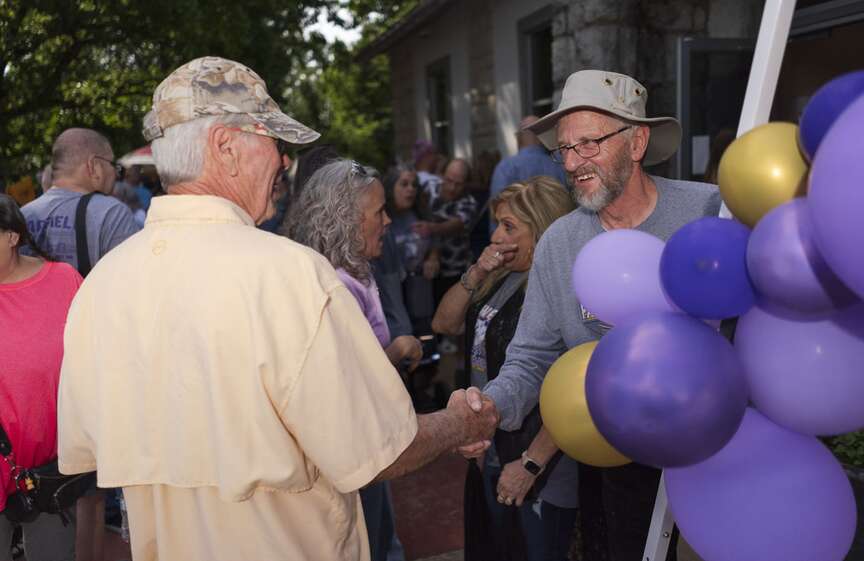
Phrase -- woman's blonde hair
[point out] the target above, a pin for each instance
(538, 202)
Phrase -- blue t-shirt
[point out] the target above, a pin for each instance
(529, 162)
(51, 221)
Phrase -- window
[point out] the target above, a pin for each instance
(438, 104)
(535, 50)
(712, 79)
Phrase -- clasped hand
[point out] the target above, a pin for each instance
(479, 418)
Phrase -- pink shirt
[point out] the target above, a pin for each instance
(32, 318)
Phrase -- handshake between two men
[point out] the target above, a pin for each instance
(466, 424)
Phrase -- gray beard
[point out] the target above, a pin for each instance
(598, 200)
(611, 186)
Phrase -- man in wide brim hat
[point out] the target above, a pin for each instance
(618, 95)
(600, 135)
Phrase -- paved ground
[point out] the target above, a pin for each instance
(428, 507)
(428, 503)
(452, 556)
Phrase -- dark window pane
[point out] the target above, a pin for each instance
(438, 97)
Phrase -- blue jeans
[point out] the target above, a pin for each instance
(547, 529)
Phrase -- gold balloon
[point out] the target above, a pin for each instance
(564, 409)
(761, 170)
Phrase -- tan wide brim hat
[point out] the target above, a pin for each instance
(615, 94)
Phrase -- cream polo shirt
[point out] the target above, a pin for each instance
(204, 353)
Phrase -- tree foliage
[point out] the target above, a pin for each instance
(95, 63)
(349, 101)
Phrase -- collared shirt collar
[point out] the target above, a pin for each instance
(196, 208)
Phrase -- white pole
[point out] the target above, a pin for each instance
(764, 73)
(662, 525)
(765, 70)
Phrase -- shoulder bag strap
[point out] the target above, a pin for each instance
(83, 251)
(5, 443)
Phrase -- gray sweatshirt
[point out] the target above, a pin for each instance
(552, 321)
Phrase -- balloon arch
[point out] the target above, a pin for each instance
(735, 424)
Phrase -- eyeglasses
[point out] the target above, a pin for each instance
(281, 146)
(587, 148)
(118, 169)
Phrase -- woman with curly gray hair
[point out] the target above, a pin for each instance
(341, 214)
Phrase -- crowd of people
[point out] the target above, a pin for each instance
(238, 360)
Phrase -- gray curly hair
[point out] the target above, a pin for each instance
(327, 215)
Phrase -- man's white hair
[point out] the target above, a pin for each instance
(179, 153)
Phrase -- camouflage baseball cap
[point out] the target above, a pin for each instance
(217, 86)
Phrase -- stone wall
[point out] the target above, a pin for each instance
(594, 34)
(663, 22)
(639, 37)
(481, 69)
(635, 37)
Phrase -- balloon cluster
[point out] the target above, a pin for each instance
(735, 426)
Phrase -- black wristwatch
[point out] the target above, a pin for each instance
(530, 465)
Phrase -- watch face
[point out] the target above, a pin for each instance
(531, 467)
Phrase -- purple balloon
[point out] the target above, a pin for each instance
(805, 375)
(665, 390)
(769, 495)
(616, 276)
(704, 269)
(836, 197)
(787, 269)
(824, 107)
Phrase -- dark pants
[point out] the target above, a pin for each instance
(380, 525)
(617, 503)
(558, 526)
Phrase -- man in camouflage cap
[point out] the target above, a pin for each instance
(241, 398)
(217, 86)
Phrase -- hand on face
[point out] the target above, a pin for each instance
(513, 239)
(496, 256)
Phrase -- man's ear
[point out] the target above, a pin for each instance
(94, 172)
(639, 142)
(222, 147)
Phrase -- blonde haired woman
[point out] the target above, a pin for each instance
(485, 307)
